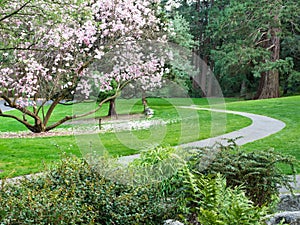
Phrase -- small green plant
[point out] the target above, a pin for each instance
(199, 198)
(207, 200)
(75, 192)
(258, 172)
(154, 156)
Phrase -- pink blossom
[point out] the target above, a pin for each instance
(67, 43)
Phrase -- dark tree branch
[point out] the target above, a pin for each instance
(16, 118)
(12, 104)
(85, 114)
(41, 106)
(15, 12)
(50, 110)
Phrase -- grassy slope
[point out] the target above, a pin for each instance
(24, 156)
(285, 109)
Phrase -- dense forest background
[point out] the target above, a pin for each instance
(251, 46)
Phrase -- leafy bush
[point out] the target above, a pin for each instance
(158, 166)
(76, 193)
(200, 199)
(258, 172)
(210, 201)
(164, 183)
(220, 185)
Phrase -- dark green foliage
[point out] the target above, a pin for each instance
(201, 199)
(235, 39)
(258, 172)
(75, 193)
(104, 95)
(158, 186)
(210, 201)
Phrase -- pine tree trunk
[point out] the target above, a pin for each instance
(269, 85)
(269, 82)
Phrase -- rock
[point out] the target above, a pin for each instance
(291, 218)
(288, 211)
(289, 203)
(172, 222)
(148, 112)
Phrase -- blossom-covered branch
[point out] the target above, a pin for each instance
(50, 52)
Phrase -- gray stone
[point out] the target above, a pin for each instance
(294, 184)
(172, 222)
(148, 112)
(289, 202)
(291, 218)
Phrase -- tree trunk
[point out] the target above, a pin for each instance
(204, 77)
(243, 89)
(38, 127)
(144, 101)
(269, 85)
(112, 108)
(269, 81)
(197, 78)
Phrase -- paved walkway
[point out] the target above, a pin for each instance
(4, 108)
(261, 127)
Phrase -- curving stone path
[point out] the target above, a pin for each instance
(261, 127)
(3, 107)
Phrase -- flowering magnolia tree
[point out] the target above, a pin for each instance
(50, 51)
(130, 60)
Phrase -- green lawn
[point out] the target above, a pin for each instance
(30, 155)
(285, 109)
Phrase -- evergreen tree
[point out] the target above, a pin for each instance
(248, 36)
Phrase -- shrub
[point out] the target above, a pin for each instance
(155, 165)
(165, 183)
(210, 201)
(75, 192)
(200, 199)
(258, 172)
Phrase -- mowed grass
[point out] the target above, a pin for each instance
(21, 156)
(286, 109)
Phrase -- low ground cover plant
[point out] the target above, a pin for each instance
(257, 172)
(76, 192)
(163, 183)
